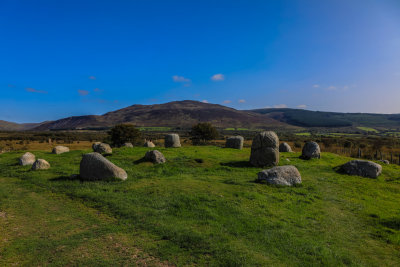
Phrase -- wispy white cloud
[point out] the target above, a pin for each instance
(301, 106)
(218, 77)
(227, 101)
(83, 92)
(316, 86)
(92, 77)
(280, 106)
(331, 88)
(97, 90)
(204, 101)
(242, 101)
(33, 90)
(180, 79)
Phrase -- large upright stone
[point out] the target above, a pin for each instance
(311, 150)
(362, 168)
(234, 142)
(280, 175)
(102, 148)
(40, 164)
(172, 140)
(96, 167)
(60, 149)
(155, 156)
(284, 147)
(265, 149)
(27, 159)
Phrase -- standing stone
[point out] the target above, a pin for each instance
(172, 140)
(60, 150)
(149, 144)
(27, 159)
(40, 164)
(155, 156)
(265, 149)
(284, 147)
(96, 167)
(127, 145)
(234, 142)
(362, 168)
(311, 150)
(281, 175)
(102, 148)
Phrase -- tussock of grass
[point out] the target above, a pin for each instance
(213, 213)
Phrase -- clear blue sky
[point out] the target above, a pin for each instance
(64, 58)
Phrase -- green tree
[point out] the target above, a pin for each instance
(202, 132)
(123, 133)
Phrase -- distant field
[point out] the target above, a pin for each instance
(156, 129)
(303, 134)
(368, 129)
(190, 213)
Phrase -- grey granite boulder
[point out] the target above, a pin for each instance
(234, 142)
(284, 147)
(172, 140)
(362, 168)
(60, 149)
(96, 167)
(40, 164)
(281, 175)
(102, 148)
(27, 159)
(265, 150)
(311, 150)
(149, 144)
(155, 156)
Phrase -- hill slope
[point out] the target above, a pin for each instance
(173, 114)
(12, 126)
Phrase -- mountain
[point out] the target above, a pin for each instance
(307, 118)
(12, 126)
(173, 114)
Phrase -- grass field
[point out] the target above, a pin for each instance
(368, 129)
(189, 213)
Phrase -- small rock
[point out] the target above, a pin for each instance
(362, 168)
(311, 150)
(281, 175)
(96, 167)
(234, 142)
(172, 140)
(155, 156)
(127, 145)
(102, 148)
(384, 161)
(27, 159)
(284, 147)
(40, 164)
(60, 150)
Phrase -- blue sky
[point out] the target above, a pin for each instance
(65, 58)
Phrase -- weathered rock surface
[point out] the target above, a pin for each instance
(281, 175)
(102, 148)
(363, 168)
(311, 150)
(234, 142)
(40, 164)
(27, 159)
(127, 145)
(60, 149)
(155, 156)
(172, 140)
(265, 150)
(149, 144)
(284, 147)
(96, 167)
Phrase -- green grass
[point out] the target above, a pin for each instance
(303, 134)
(209, 213)
(155, 129)
(368, 129)
(238, 129)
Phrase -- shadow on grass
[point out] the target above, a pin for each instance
(73, 177)
(142, 160)
(237, 164)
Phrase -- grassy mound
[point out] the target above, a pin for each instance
(202, 207)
